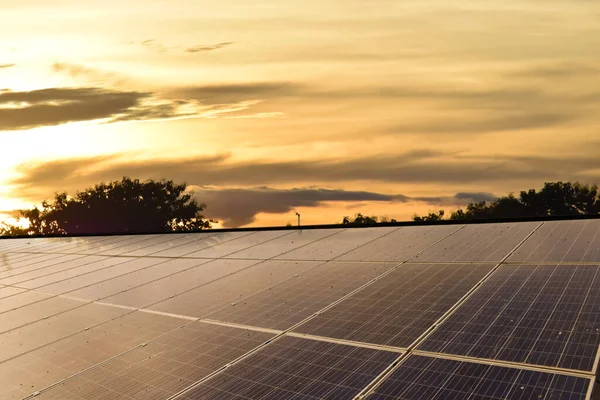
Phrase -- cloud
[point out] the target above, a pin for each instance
(153, 45)
(202, 48)
(3, 66)
(87, 73)
(421, 167)
(236, 207)
(55, 106)
(230, 93)
(557, 70)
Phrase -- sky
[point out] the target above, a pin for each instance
(325, 107)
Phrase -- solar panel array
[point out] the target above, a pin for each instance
(483, 311)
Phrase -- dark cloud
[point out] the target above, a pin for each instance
(202, 48)
(236, 207)
(55, 106)
(2, 66)
(419, 167)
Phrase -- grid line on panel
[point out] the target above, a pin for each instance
(172, 344)
(65, 336)
(390, 370)
(345, 342)
(421, 376)
(20, 269)
(290, 329)
(24, 270)
(183, 244)
(544, 327)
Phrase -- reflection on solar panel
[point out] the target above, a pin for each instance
(297, 368)
(562, 241)
(387, 312)
(436, 379)
(165, 366)
(537, 314)
(291, 301)
(400, 307)
(478, 243)
(54, 362)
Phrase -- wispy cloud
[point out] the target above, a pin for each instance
(153, 45)
(88, 74)
(3, 66)
(55, 106)
(201, 48)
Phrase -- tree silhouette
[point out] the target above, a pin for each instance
(362, 220)
(430, 217)
(554, 199)
(125, 206)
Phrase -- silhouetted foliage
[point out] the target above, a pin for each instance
(554, 199)
(363, 220)
(126, 206)
(430, 217)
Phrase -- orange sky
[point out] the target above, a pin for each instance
(326, 107)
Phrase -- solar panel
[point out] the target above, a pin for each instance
(36, 311)
(336, 245)
(200, 301)
(232, 246)
(400, 244)
(284, 244)
(153, 292)
(19, 298)
(478, 243)
(291, 301)
(29, 337)
(354, 299)
(537, 314)
(562, 241)
(53, 362)
(74, 279)
(400, 307)
(164, 268)
(296, 368)
(165, 366)
(66, 269)
(202, 242)
(420, 377)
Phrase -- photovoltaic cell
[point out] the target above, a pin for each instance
(201, 242)
(284, 244)
(163, 367)
(35, 312)
(398, 308)
(537, 314)
(294, 368)
(166, 242)
(7, 291)
(164, 268)
(207, 271)
(20, 298)
(232, 246)
(41, 261)
(88, 278)
(200, 301)
(291, 301)
(420, 377)
(336, 245)
(401, 244)
(479, 243)
(29, 337)
(562, 241)
(47, 365)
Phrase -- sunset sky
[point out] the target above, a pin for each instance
(327, 107)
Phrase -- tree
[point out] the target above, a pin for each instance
(430, 217)
(554, 199)
(125, 206)
(360, 219)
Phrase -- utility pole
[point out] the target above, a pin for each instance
(298, 218)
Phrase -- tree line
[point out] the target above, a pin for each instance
(553, 199)
(125, 206)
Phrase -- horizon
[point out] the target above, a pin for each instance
(327, 108)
